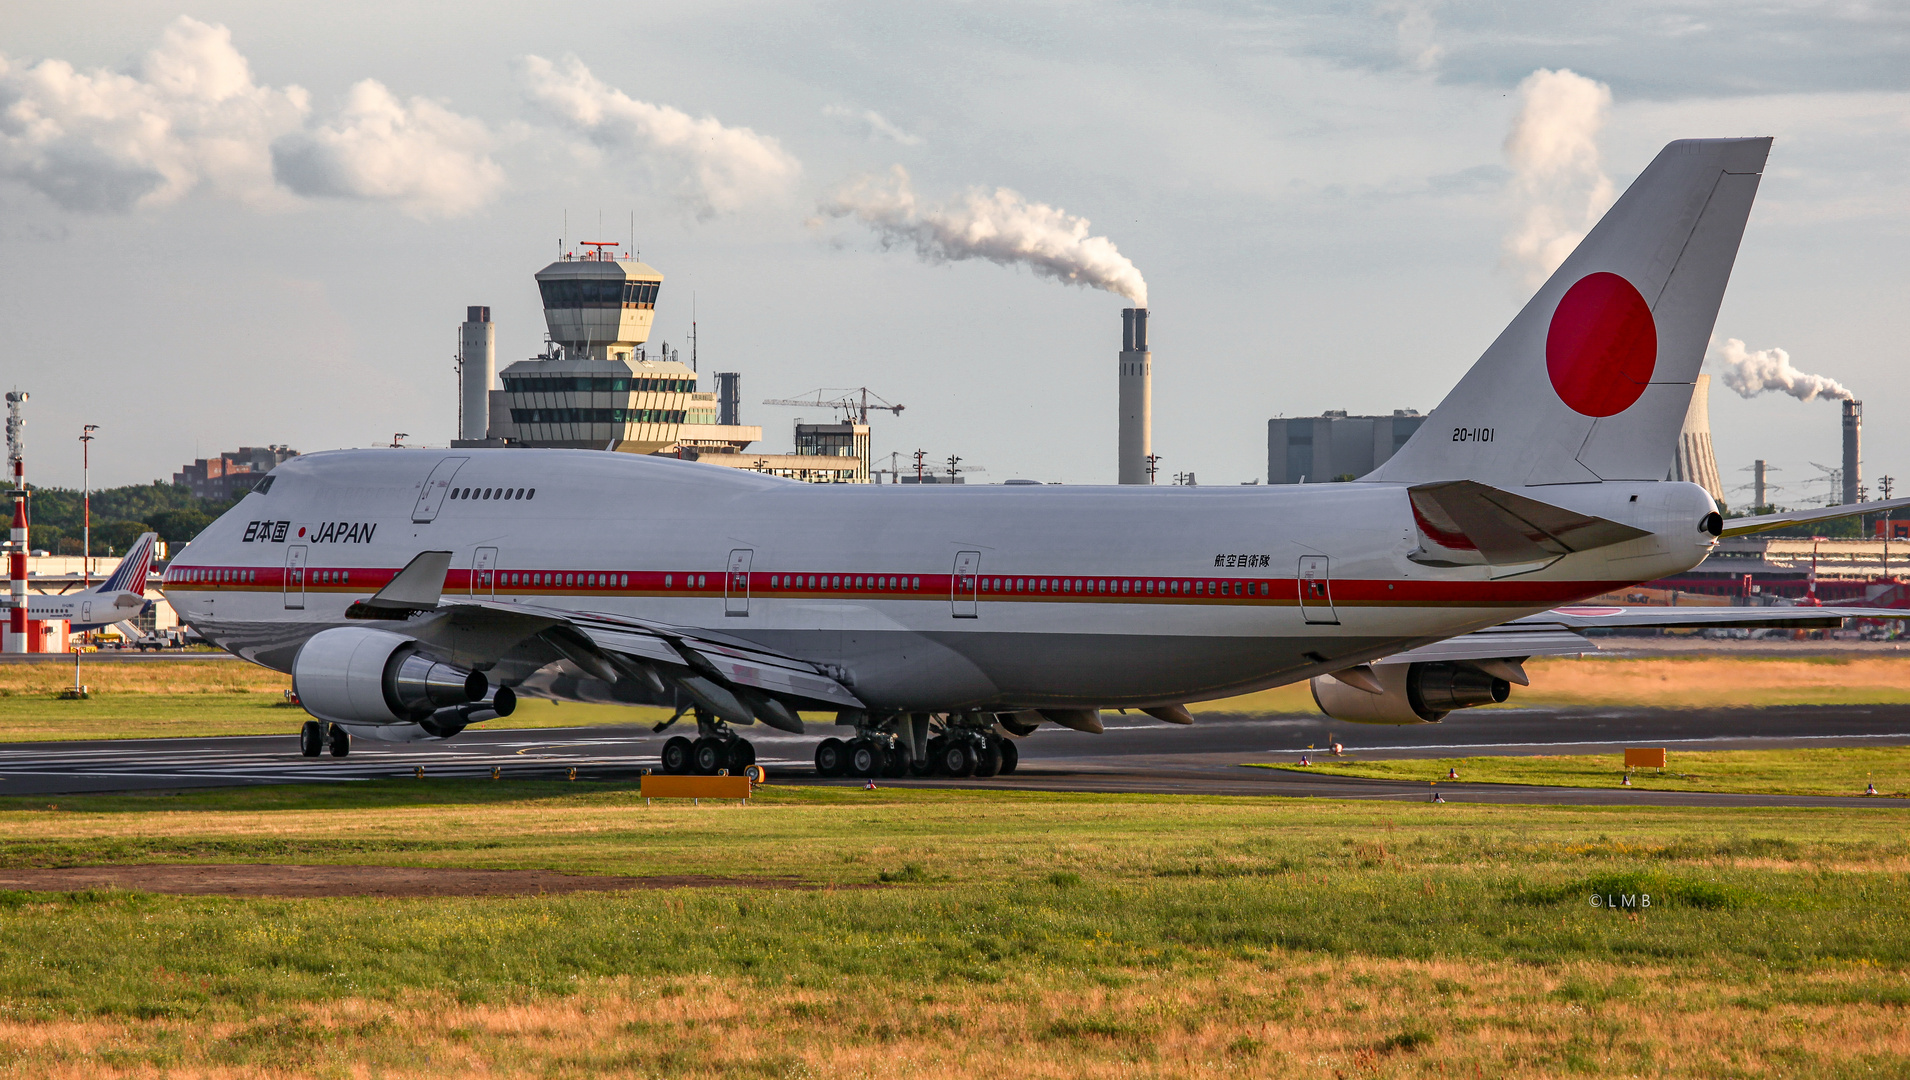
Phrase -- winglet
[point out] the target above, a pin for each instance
(418, 587)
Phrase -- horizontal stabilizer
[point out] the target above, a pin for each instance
(1465, 523)
(1745, 526)
(418, 587)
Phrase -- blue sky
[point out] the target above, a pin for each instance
(1318, 195)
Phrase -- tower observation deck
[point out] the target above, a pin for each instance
(597, 387)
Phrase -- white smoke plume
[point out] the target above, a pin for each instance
(1558, 181)
(1000, 226)
(716, 169)
(185, 116)
(1753, 373)
(876, 125)
(420, 155)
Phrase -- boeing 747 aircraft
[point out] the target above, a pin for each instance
(411, 593)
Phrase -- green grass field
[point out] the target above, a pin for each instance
(185, 698)
(1842, 771)
(965, 934)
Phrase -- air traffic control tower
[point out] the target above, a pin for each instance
(597, 387)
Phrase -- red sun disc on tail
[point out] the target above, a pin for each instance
(1602, 347)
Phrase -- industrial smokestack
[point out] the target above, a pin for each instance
(1853, 450)
(477, 370)
(1694, 462)
(1757, 487)
(1137, 398)
(729, 397)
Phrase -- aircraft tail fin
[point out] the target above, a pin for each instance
(130, 574)
(1592, 379)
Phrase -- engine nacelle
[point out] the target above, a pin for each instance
(359, 675)
(1414, 693)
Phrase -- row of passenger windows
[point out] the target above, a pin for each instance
(553, 580)
(238, 576)
(598, 292)
(596, 416)
(493, 493)
(1126, 586)
(553, 384)
(837, 581)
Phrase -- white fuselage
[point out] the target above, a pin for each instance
(924, 597)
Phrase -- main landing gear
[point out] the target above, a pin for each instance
(919, 744)
(715, 749)
(315, 737)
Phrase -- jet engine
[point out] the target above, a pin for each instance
(1409, 693)
(359, 675)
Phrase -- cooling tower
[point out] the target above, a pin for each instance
(1137, 398)
(1694, 461)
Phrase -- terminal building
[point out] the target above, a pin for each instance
(1335, 446)
(598, 386)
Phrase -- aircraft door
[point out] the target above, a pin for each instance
(436, 487)
(736, 583)
(86, 611)
(967, 565)
(295, 577)
(484, 573)
(1316, 591)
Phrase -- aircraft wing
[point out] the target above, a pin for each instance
(1557, 632)
(735, 679)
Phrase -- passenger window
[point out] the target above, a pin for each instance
(531, 494)
(917, 583)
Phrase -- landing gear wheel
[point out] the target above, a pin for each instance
(831, 756)
(741, 756)
(340, 741)
(676, 755)
(708, 755)
(897, 765)
(988, 757)
(937, 750)
(866, 759)
(1010, 757)
(924, 767)
(956, 760)
(311, 739)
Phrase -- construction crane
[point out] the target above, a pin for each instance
(852, 403)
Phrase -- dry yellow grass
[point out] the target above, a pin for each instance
(154, 677)
(1666, 682)
(1271, 1015)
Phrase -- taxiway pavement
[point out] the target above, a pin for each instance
(1135, 755)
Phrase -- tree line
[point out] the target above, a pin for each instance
(119, 515)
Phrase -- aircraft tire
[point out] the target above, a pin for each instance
(898, 765)
(988, 758)
(707, 755)
(932, 766)
(676, 755)
(311, 739)
(866, 759)
(956, 760)
(340, 741)
(742, 754)
(924, 767)
(831, 755)
(1010, 757)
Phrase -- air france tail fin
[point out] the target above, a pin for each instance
(1592, 379)
(130, 574)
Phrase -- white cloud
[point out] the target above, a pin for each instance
(874, 124)
(420, 155)
(1414, 30)
(714, 168)
(187, 115)
(1558, 181)
(1000, 226)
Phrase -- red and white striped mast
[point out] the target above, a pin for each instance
(17, 558)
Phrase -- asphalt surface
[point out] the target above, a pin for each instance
(1134, 755)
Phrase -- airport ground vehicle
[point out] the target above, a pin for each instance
(411, 593)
